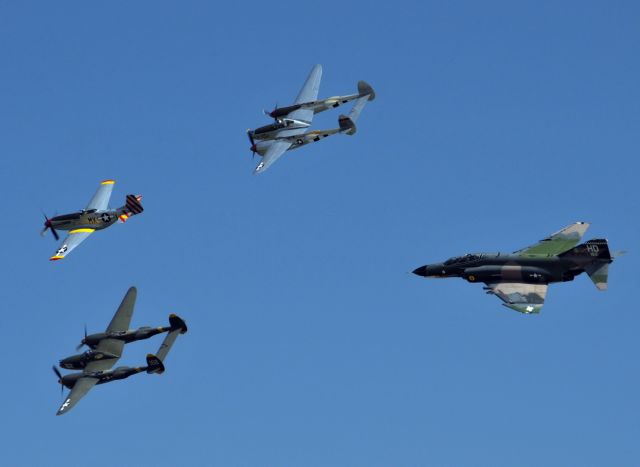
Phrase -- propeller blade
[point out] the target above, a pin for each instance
(47, 225)
(253, 144)
(57, 372)
(83, 341)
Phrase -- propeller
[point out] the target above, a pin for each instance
(83, 341)
(253, 147)
(57, 372)
(270, 114)
(47, 226)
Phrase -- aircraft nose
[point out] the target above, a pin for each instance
(421, 271)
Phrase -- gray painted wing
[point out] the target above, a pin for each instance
(100, 200)
(119, 323)
(80, 389)
(73, 239)
(525, 298)
(167, 343)
(112, 346)
(277, 149)
(308, 93)
(558, 242)
(122, 318)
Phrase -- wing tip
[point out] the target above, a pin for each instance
(56, 258)
(107, 182)
(525, 309)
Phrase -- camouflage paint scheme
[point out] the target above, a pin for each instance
(520, 279)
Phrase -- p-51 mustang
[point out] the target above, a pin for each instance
(106, 350)
(291, 122)
(520, 279)
(96, 216)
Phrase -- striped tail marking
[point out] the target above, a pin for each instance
(133, 205)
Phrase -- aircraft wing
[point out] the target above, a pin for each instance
(100, 200)
(113, 346)
(121, 320)
(75, 238)
(308, 93)
(119, 324)
(558, 242)
(525, 298)
(80, 389)
(277, 149)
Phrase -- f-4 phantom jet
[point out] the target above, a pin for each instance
(520, 279)
(106, 350)
(96, 216)
(289, 129)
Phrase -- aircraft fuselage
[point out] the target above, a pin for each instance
(91, 219)
(490, 268)
(80, 361)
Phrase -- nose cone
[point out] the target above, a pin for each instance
(421, 271)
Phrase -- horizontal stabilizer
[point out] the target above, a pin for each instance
(599, 274)
(167, 343)
(357, 108)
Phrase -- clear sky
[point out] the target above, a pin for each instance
(310, 343)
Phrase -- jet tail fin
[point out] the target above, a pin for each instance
(597, 251)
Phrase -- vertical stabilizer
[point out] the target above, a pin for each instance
(595, 257)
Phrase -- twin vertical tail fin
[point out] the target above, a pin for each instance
(596, 254)
(154, 364)
(132, 207)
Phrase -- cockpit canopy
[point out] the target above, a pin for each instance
(468, 258)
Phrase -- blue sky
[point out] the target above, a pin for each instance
(310, 343)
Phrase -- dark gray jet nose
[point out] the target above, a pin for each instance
(421, 271)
